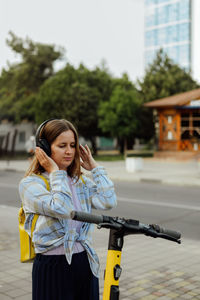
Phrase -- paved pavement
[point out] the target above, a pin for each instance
(157, 170)
(152, 268)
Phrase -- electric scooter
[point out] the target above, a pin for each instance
(120, 227)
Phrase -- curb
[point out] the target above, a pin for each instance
(149, 180)
(194, 181)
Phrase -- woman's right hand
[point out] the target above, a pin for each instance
(45, 161)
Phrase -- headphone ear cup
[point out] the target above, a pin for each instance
(44, 145)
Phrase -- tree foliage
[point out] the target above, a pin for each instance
(37, 61)
(118, 116)
(21, 82)
(164, 78)
(75, 94)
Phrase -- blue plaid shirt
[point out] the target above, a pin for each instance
(54, 209)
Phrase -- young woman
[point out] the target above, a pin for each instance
(66, 265)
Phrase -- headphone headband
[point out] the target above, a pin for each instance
(37, 135)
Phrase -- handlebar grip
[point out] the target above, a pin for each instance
(86, 217)
(174, 234)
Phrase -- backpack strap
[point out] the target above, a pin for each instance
(83, 181)
(36, 215)
(33, 224)
(45, 180)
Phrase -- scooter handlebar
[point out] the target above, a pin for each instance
(86, 217)
(167, 232)
(131, 226)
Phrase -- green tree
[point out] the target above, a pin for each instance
(99, 79)
(37, 61)
(75, 94)
(83, 111)
(21, 82)
(118, 116)
(53, 98)
(162, 78)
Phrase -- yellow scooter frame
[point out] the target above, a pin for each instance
(113, 269)
(120, 227)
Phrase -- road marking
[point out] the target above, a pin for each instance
(162, 204)
(132, 200)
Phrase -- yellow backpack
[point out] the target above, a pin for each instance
(26, 245)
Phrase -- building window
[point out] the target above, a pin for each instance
(169, 135)
(196, 119)
(184, 32)
(149, 57)
(190, 124)
(184, 10)
(184, 54)
(149, 38)
(22, 137)
(151, 17)
(172, 52)
(162, 36)
(172, 34)
(162, 13)
(169, 119)
(173, 12)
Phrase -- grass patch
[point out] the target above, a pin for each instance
(109, 157)
(141, 154)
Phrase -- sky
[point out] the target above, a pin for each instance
(91, 31)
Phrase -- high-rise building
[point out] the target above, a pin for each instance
(174, 26)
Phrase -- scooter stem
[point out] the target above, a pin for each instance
(113, 269)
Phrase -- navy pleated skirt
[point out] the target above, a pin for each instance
(54, 279)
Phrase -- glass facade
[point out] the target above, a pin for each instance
(168, 26)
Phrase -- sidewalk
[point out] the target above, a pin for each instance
(155, 170)
(152, 268)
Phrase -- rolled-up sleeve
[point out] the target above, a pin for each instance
(56, 203)
(101, 190)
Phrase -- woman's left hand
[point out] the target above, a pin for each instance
(88, 162)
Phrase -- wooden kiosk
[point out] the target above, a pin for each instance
(178, 121)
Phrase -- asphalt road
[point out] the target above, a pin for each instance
(174, 207)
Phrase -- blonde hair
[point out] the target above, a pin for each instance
(50, 132)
